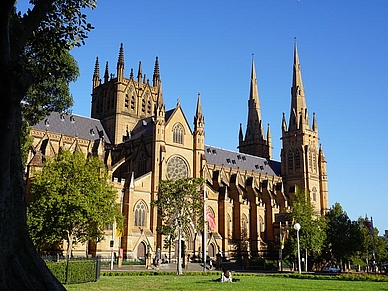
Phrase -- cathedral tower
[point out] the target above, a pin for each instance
(255, 143)
(120, 102)
(303, 164)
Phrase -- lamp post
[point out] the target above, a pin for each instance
(297, 228)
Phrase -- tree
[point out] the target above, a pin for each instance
(73, 201)
(369, 244)
(313, 226)
(49, 28)
(343, 236)
(179, 204)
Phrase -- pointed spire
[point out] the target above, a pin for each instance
(139, 73)
(131, 74)
(298, 102)
(269, 142)
(106, 74)
(198, 112)
(254, 127)
(156, 76)
(240, 134)
(284, 124)
(199, 122)
(120, 61)
(160, 94)
(254, 93)
(315, 124)
(269, 136)
(96, 74)
(120, 64)
(96, 69)
(321, 155)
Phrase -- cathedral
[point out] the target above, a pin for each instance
(142, 142)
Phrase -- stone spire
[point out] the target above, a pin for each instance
(159, 101)
(240, 134)
(254, 127)
(106, 74)
(315, 124)
(139, 73)
(269, 142)
(96, 74)
(120, 64)
(254, 142)
(299, 114)
(156, 76)
(198, 139)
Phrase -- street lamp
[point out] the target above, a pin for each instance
(297, 228)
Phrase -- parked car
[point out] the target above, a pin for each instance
(331, 269)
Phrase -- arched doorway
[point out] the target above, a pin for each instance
(141, 251)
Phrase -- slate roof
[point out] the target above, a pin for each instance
(218, 156)
(73, 125)
(143, 127)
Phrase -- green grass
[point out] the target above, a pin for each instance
(205, 283)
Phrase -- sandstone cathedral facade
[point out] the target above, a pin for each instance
(142, 142)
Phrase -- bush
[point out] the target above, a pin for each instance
(74, 271)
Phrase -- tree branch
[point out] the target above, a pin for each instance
(29, 23)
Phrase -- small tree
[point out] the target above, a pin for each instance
(72, 201)
(313, 226)
(179, 204)
(343, 236)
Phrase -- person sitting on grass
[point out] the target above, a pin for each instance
(226, 276)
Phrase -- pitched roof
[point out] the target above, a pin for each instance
(73, 125)
(218, 156)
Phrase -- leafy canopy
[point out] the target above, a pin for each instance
(179, 204)
(313, 226)
(72, 200)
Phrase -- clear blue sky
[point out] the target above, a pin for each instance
(207, 47)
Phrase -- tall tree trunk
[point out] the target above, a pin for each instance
(21, 268)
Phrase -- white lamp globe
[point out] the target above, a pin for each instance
(297, 226)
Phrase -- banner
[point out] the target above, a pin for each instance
(369, 226)
(211, 220)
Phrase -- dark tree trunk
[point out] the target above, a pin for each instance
(21, 268)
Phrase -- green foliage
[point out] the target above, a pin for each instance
(343, 236)
(26, 141)
(179, 204)
(365, 250)
(78, 271)
(313, 226)
(72, 201)
(45, 53)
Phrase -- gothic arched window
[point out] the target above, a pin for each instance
(177, 133)
(140, 214)
(314, 192)
(142, 164)
(149, 107)
(290, 160)
(133, 103)
(297, 159)
(126, 103)
(143, 106)
(314, 166)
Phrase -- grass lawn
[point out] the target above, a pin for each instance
(205, 283)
